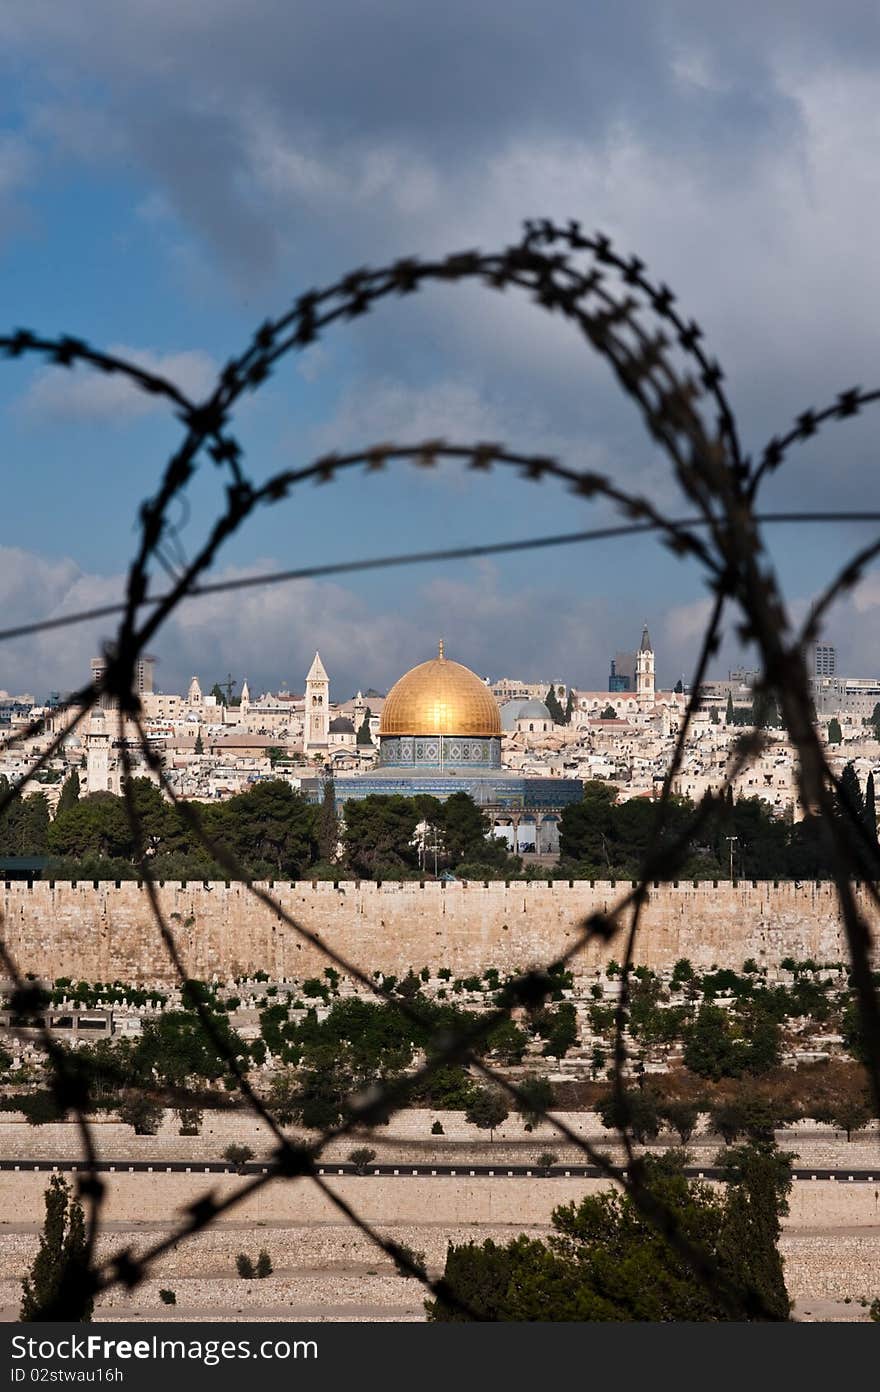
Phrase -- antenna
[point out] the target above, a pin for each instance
(228, 686)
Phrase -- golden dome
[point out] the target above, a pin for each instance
(440, 698)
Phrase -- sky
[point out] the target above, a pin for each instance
(171, 174)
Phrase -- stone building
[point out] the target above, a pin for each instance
(440, 733)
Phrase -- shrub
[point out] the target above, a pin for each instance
(437, 1129)
(245, 1267)
(168, 1297)
(238, 1155)
(546, 1159)
(264, 1265)
(361, 1157)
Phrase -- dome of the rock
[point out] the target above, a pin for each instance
(440, 697)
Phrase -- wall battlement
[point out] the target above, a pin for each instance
(106, 931)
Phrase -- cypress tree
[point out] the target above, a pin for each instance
(835, 734)
(551, 701)
(870, 811)
(363, 734)
(56, 1288)
(200, 744)
(569, 707)
(69, 794)
(729, 713)
(849, 801)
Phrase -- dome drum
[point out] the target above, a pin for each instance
(440, 752)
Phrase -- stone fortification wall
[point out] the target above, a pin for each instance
(105, 931)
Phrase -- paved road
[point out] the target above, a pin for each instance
(404, 1171)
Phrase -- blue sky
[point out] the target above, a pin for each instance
(172, 173)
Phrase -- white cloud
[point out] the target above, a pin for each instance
(84, 394)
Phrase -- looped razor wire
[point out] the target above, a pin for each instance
(657, 358)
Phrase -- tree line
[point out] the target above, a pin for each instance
(272, 831)
(602, 837)
(275, 833)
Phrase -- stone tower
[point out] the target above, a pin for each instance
(244, 700)
(645, 668)
(98, 754)
(194, 695)
(317, 707)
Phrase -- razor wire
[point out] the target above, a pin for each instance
(658, 361)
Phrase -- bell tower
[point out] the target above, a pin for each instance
(645, 668)
(317, 707)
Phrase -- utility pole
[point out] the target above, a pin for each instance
(730, 841)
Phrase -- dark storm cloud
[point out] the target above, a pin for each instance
(734, 147)
(451, 83)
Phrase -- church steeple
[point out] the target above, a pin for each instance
(317, 707)
(645, 667)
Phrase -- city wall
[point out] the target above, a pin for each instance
(106, 931)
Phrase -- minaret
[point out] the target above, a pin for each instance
(645, 667)
(194, 695)
(317, 707)
(98, 753)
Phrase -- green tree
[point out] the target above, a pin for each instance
(636, 1111)
(850, 802)
(199, 747)
(609, 713)
(557, 1026)
(586, 827)
(464, 832)
(364, 735)
(729, 714)
(710, 1048)
(851, 1112)
(682, 1116)
(569, 706)
(378, 834)
(551, 701)
(69, 796)
(536, 1098)
(138, 1111)
(57, 1286)
(219, 695)
(328, 824)
(870, 812)
(606, 1261)
(875, 720)
(97, 825)
(271, 829)
(487, 1110)
(835, 734)
(179, 1050)
(24, 824)
(238, 1155)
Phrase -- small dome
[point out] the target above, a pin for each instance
(509, 714)
(533, 710)
(440, 698)
(341, 725)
